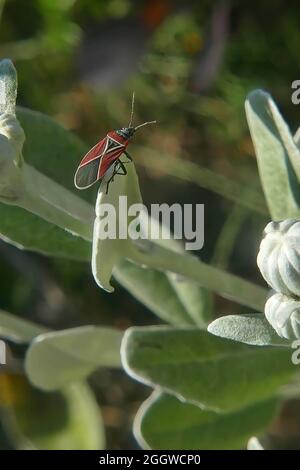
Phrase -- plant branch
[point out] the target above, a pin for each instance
(227, 285)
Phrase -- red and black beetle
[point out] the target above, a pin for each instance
(103, 162)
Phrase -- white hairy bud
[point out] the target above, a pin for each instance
(283, 313)
(279, 256)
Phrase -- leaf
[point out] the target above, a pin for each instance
(17, 329)
(55, 359)
(28, 231)
(287, 139)
(153, 289)
(108, 253)
(251, 328)
(212, 372)
(164, 422)
(46, 143)
(296, 137)
(53, 150)
(197, 301)
(65, 420)
(174, 298)
(110, 250)
(277, 155)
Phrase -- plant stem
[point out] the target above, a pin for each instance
(227, 285)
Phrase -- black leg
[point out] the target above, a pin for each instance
(128, 156)
(121, 167)
(107, 185)
(111, 178)
(118, 166)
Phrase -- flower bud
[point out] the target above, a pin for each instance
(283, 313)
(279, 256)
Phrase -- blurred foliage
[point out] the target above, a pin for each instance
(44, 38)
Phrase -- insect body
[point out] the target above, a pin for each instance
(103, 162)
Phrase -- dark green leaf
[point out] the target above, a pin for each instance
(52, 149)
(164, 422)
(213, 372)
(28, 231)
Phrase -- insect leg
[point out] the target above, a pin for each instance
(109, 181)
(116, 171)
(112, 177)
(121, 166)
(128, 156)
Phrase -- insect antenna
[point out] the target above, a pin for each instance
(144, 124)
(132, 109)
(131, 116)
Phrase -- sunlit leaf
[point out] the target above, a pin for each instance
(196, 366)
(251, 328)
(277, 155)
(18, 329)
(55, 359)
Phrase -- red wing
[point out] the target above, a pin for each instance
(96, 162)
(94, 152)
(107, 160)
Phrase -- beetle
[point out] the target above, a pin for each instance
(102, 162)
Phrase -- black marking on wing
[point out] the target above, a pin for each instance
(87, 175)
